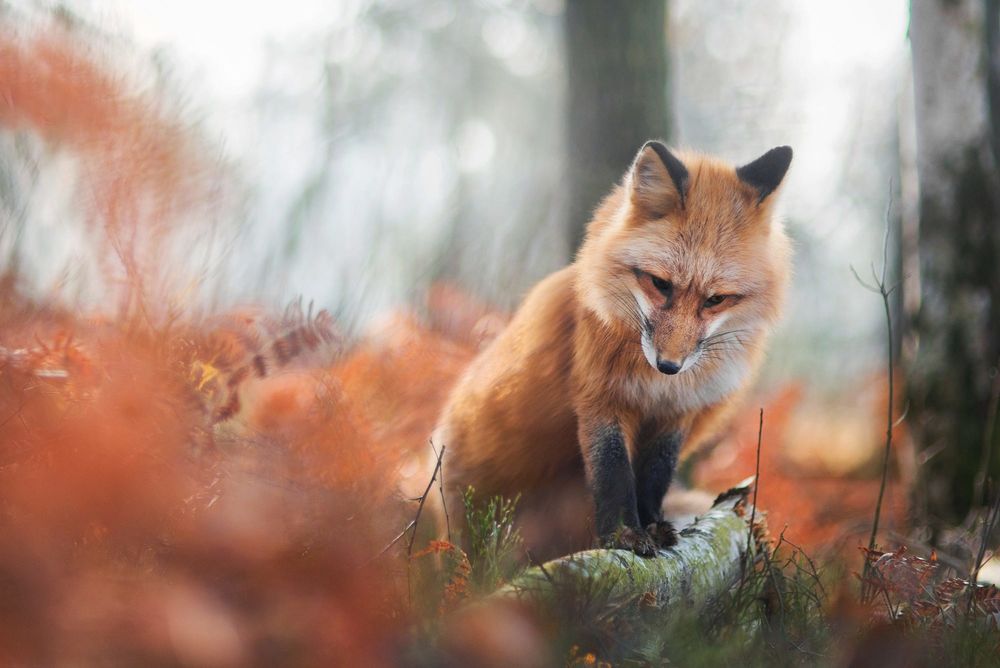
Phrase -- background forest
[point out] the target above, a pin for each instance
(173, 175)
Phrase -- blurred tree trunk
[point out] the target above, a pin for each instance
(616, 59)
(956, 70)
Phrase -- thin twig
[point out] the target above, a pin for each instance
(902, 416)
(416, 520)
(423, 499)
(862, 281)
(541, 567)
(444, 504)
(881, 289)
(888, 429)
(756, 482)
(395, 540)
(16, 413)
(809, 560)
(753, 509)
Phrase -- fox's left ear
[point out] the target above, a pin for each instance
(657, 181)
(765, 173)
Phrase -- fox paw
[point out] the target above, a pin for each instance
(635, 540)
(662, 533)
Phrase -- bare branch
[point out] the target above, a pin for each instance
(444, 504)
(890, 423)
(753, 511)
(860, 280)
(395, 540)
(423, 499)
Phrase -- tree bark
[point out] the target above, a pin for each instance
(617, 70)
(957, 323)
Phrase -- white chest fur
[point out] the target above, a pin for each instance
(658, 394)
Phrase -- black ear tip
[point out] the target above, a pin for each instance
(779, 157)
(784, 153)
(675, 168)
(766, 172)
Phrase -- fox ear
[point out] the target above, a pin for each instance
(658, 180)
(765, 173)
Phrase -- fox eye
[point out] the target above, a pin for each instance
(715, 300)
(660, 284)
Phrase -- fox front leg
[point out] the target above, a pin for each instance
(655, 466)
(612, 483)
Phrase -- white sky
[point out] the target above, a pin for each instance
(222, 39)
(221, 43)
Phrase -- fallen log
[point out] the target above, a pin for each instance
(707, 561)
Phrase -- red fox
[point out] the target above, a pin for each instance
(646, 341)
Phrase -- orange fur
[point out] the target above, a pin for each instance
(572, 358)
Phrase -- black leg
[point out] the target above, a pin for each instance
(654, 470)
(612, 481)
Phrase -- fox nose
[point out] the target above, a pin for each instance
(668, 367)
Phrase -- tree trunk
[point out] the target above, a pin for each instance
(957, 323)
(616, 59)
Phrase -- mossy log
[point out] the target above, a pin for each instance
(706, 562)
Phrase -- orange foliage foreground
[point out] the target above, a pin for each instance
(139, 526)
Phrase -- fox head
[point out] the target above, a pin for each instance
(685, 258)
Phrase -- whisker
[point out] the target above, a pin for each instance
(730, 333)
(630, 306)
